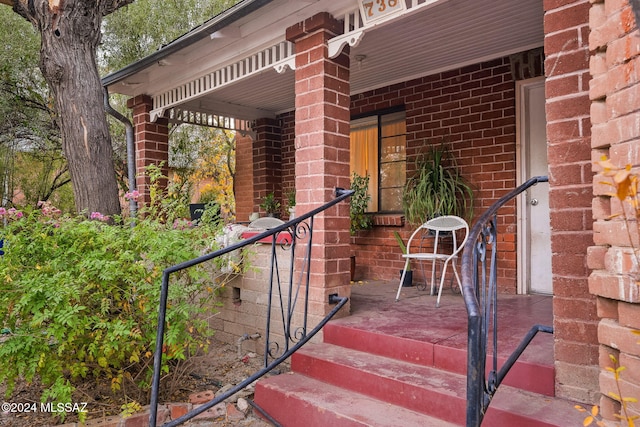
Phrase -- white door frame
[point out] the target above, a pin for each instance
(521, 176)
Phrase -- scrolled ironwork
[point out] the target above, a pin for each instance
(480, 292)
(284, 293)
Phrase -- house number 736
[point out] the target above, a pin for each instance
(376, 9)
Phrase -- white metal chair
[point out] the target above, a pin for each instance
(439, 227)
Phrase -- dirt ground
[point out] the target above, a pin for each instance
(220, 368)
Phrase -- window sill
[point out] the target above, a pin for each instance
(388, 220)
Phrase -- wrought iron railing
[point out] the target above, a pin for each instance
(295, 236)
(479, 284)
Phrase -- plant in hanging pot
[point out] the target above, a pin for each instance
(437, 188)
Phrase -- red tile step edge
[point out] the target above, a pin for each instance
(530, 376)
(295, 401)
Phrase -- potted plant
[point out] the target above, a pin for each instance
(291, 203)
(408, 277)
(270, 205)
(437, 188)
(358, 210)
(359, 203)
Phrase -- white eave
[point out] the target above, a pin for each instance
(242, 70)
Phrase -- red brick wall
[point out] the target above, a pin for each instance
(615, 115)
(568, 134)
(473, 109)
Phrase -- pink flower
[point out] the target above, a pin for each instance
(132, 195)
(99, 216)
(3, 211)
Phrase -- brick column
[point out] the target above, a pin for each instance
(267, 161)
(615, 116)
(243, 190)
(322, 153)
(568, 132)
(152, 143)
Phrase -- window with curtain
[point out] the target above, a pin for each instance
(378, 149)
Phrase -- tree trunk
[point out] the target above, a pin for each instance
(70, 31)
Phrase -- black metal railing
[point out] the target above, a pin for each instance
(479, 284)
(295, 236)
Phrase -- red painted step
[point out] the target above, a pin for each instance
(442, 348)
(297, 401)
(410, 387)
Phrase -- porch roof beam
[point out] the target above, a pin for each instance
(202, 118)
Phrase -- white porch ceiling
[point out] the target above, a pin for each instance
(447, 35)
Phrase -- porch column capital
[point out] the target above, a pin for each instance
(321, 21)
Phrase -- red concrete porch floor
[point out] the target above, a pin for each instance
(404, 363)
(443, 330)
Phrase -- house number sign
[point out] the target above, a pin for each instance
(373, 10)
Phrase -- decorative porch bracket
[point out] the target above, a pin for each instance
(368, 14)
(479, 287)
(283, 298)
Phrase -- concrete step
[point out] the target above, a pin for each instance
(422, 389)
(296, 401)
(444, 349)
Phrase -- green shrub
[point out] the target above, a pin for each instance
(79, 300)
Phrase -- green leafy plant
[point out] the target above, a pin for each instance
(270, 205)
(79, 298)
(403, 247)
(291, 198)
(437, 188)
(359, 203)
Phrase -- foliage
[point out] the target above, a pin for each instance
(139, 29)
(403, 247)
(32, 167)
(291, 198)
(270, 205)
(80, 298)
(359, 203)
(594, 413)
(216, 167)
(437, 188)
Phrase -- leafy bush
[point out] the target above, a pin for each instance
(359, 203)
(79, 298)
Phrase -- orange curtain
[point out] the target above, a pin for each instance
(364, 156)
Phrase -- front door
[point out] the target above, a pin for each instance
(534, 229)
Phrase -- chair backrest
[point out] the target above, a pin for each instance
(447, 225)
